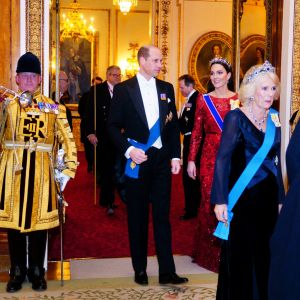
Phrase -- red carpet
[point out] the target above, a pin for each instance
(89, 232)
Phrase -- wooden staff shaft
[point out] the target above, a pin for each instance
(57, 68)
(95, 149)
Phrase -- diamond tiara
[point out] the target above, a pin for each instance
(258, 69)
(217, 60)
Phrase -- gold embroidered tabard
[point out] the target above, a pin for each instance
(29, 143)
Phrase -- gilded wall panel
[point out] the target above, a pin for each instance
(10, 45)
(15, 38)
(296, 61)
(5, 22)
(161, 34)
(35, 27)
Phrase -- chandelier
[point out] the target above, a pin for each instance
(75, 26)
(125, 5)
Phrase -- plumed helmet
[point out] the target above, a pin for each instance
(29, 62)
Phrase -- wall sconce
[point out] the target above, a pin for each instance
(132, 63)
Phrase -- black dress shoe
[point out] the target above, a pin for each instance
(39, 283)
(14, 284)
(141, 278)
(187, 217)
(17, 277)
(172, 278)
(36, 277)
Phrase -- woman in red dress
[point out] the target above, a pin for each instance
(207, 132)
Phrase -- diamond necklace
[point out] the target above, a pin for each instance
(258, 123)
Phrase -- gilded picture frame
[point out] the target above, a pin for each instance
(203, 51)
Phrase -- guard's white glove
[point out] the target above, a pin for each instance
(62, 179)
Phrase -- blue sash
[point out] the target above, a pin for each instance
(222, 230)
(132, 169)
(214, 112)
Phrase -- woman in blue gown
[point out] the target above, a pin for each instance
(245, 256)
(285, 243)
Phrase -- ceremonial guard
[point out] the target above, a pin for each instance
(32, 130)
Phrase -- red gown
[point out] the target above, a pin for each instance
(206, 251)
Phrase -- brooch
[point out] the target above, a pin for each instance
(163, 97)
(234, 104)
(275, 119)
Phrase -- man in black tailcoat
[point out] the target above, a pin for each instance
(143, 107)
(186, 121)
(82, 108)
(106, 152)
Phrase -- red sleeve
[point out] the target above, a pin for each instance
(197, 133)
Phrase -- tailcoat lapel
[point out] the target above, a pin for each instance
(136, 97)
(163, 102)
(107, 98)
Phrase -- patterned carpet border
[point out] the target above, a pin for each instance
(200, 287)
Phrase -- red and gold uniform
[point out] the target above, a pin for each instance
(30, 138)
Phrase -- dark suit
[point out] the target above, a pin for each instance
(88, 147)
(154, 182)
(190, 186)
(106, 152)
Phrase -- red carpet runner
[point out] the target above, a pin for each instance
(90, 232)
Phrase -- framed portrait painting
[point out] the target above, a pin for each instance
(76, 61)
(252, 52)
(208, 46)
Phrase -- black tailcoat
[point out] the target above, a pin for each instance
(186, 120)
(103, 103)
(190, 186)
(127, 119)
(106, 153)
